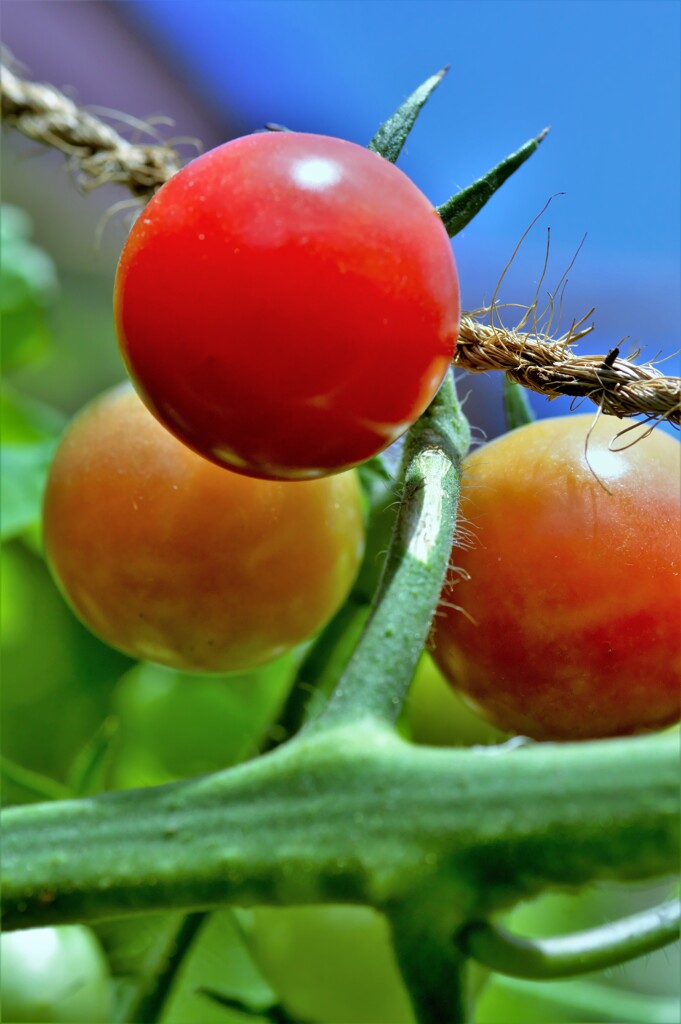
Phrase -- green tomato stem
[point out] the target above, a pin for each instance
(352, 815)
(517, 409)
(462, 207)
(579, 953)
(375, 682)
(433, 966)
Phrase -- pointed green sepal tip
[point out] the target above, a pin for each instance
(458, 211)
(392, 135)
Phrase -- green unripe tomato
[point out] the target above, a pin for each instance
(330, 964)
(54, 975)
(436, 715)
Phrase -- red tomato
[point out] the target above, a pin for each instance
(569, 626)
(288, 304)
(172, 559)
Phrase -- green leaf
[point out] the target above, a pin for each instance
(218, 961)
(24, 420)
(25, 336)
(24, 473)
(392, 135)
(461, 208)
(29, 433)
(28, 287)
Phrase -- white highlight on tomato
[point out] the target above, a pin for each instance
(608, 465)
(316, 173)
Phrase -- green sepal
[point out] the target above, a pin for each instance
(392, 135)
(458, 211)
(517, 409)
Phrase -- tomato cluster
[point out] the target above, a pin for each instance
(287, 305)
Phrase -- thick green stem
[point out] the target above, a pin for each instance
(330, 818)
(433, 966)
(579, 953)
(375, 682)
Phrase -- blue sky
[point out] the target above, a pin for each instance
(605, 75)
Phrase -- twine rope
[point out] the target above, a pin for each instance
(98, 153)
(536, 360)
(618, 386)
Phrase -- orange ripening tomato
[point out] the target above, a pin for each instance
(172, 559)
(563, 618)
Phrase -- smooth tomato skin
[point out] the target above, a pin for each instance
(171, 559)
(570, 624)
(54, 975)
(288, 304)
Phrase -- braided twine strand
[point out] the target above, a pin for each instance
(98, 153)
(618, 386)
(537, 361)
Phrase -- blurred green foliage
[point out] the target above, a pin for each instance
(177, 724)
(29, 437)
(28, 288)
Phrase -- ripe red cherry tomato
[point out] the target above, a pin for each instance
(288, 304)
(569, 626)
(172, 559)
